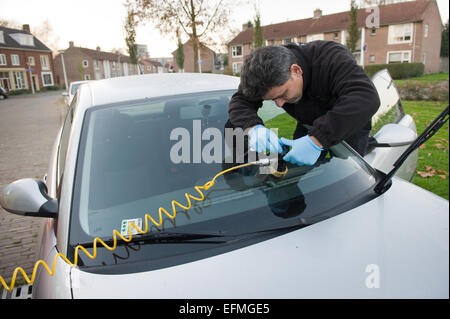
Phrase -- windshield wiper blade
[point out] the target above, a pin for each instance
(162, 237)
(384, 184)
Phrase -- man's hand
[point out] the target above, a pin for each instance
(304, 151)
(262, 139)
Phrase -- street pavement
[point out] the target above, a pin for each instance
(28, 128)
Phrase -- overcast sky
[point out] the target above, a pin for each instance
(92, 23)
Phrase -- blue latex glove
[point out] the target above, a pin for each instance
(303, 152)
(262, 139)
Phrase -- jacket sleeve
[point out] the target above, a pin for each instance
(243, 112)
(356, 98)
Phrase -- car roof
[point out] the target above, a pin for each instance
(138, 87)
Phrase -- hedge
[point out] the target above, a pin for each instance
(397, 70)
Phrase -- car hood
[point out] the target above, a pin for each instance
(395, 246)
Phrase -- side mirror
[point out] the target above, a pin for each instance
(28, 197)
(394, 135)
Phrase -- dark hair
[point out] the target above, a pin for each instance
(266, 68)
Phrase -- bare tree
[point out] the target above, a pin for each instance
(198, 19)
(44, 32)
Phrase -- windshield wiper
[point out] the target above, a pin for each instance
(161, 237)
(384, 184)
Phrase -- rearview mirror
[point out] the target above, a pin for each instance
(28, 197)
(394, 135)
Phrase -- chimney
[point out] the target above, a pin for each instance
(244, 26)
(70, 44)
(97, 48)
(317, 13)
(26, 28)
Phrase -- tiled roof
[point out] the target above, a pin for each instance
(13, 44)
(98, 55)
(389, 14)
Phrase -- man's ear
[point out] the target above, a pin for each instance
(296, 69)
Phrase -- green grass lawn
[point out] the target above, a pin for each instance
(425, 79)
(433, 162)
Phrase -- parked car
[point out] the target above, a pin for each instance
(73, 87)
(319, 231)
(3, 93)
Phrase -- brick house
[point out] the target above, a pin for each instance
(207, 56)
(149, 66)
(407, 32)
(87, 64)
(20, 51)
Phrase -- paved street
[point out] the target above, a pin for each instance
(28, 127)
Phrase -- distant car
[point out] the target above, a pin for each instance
(72, 90)
(3, 93)
(322, 231)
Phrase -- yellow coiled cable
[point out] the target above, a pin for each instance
(116, 233)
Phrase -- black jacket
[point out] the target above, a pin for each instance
(338, 97)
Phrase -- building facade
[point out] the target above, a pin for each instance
(394, 33)
(207, 58)
(25, 62)
(87, 64)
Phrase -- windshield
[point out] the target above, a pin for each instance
(138, 156)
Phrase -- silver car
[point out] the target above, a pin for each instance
(338, 229)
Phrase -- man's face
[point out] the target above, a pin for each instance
(289, 92)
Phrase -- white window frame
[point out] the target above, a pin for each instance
(85, 63)
(45, 62)
(314, 37)
(397, 33)
(43, 78)
(15, 60)
(372, 58)
(3, 59)
(234, 50)
(19, 81)
(237, 67)
(403, 60)
(425, 31)
(96, 65)
(2, 37)
(31, 61)
(87, 77)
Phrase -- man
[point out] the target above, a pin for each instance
(319, 84)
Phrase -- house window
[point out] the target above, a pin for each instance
(19, 80)
(424, 58)
(372, 59)
(31, 61)
(237, 67)
(400, 33)
(23, 39)
(47, 78)
(236, 51)
(314, 37)
(2, 59)
(425, 31)
(287, 41)
(398, 57)
(336, 36)
(44, 62)
(373, 31)
(85, 63)
(15, 59)
(87, 77)
(96, 64)
(2, 38)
